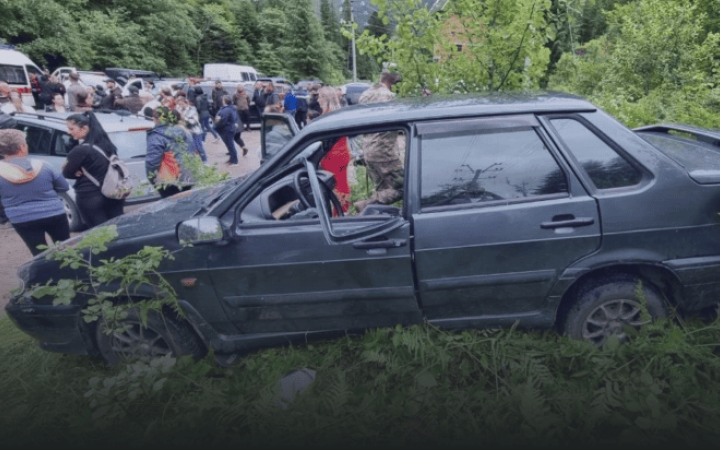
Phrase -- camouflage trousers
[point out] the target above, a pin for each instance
(384, 167)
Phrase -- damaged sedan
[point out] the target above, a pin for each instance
(532, 208)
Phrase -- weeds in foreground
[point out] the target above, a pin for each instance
(395, 385)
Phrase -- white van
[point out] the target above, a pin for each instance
(15, 69)
(229, 72)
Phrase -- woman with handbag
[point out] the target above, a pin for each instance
(87, 163)
(29, 190)
(167, 147)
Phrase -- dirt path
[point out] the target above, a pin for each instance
(13, 252)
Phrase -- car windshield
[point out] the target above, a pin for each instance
(130, 144)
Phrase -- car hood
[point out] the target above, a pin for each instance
(165, 214)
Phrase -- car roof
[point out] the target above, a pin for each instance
(110, 122)
(444, 107)
(14, 57)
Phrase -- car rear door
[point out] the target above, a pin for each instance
(498, 217)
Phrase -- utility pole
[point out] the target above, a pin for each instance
(352, 23)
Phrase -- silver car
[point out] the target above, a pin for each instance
(47, 138)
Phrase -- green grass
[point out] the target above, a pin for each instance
(411, 386)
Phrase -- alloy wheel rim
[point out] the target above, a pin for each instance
(68, 210)
(137, 341)
(610, 318)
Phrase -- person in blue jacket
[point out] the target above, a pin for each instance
(165, 137)
(29, 190)
(226, 125)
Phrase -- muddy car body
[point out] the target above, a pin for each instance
(538, 208)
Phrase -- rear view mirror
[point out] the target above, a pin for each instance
(200, 230)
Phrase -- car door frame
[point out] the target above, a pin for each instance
(395, 301)
(287, 118)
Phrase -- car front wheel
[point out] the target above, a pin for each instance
(608, 306)
(72, 212)
(162, 336)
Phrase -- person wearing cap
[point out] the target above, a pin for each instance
(114, 93)
(132, 102)
(73, 90)
(29, 190)
(380, 150)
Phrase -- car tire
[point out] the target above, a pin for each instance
(71, 211)
(162, 336)
(603, 307)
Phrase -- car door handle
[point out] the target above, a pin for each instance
(385, 243)
(571, 223)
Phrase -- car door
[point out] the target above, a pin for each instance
(281, 276)
(276, 130)
(499, 217)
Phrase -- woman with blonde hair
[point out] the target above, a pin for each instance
(29, 189)
(328, 100)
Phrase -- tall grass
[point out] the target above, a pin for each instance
(417, 385)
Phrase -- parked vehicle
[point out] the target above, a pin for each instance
(229, 72)
(353, 91)
(15, 69)
(539, 209)
(123, 75)
(48, 140)
(87, 78)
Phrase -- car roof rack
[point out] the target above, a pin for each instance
(42, 115)
(709, 137)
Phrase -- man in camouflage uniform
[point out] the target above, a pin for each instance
(380, 150)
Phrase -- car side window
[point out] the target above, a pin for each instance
(38, 139)
(606, 168)
(63, 144)
(477, 168)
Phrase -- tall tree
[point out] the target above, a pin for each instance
(311, 58)
(330, 23)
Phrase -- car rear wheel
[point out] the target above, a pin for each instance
(72, 212)
(162, 336)
(605, 307)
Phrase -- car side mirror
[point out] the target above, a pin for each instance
(201, 230)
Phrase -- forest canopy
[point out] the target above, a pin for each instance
(642, 60)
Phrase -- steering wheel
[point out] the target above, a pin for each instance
(303, 197)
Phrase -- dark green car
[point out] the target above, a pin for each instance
(537, 208)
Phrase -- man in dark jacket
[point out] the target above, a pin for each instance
(259, 98)
(226, 123)
(217, 94)
(113, 93)
(133, 102)
(202, 104)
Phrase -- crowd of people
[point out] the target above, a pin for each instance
(30, 189)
